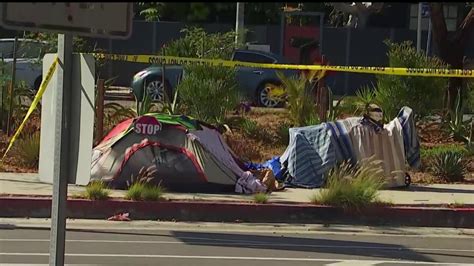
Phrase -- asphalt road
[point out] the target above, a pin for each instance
(177, 245)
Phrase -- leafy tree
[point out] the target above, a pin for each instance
(359, 12)
(151, 10)
(452, 45)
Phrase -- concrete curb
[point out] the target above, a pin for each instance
(241, 212)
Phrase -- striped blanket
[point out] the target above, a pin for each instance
(314, 150)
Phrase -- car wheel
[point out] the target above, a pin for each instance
(264, 98)
(156, 89)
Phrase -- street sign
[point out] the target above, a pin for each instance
(425, 10)
(106, 20)
(147, 125)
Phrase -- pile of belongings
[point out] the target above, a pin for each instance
(314, 150)
(187, 155)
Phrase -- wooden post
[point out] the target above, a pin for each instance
(100, 110)
(322, 100)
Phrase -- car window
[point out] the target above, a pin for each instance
(25, 49)
(6, 49)
(253, 58)
(30, 50)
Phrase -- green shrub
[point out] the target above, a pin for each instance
(135, 191)
(460, 130)
(301, 104)
(143, 191)
(141, 188)
(469, 103)
(350, 106)
(422, 94)
(250, 128)
(208, 93)
(352, 187)
(437, 150)
(198, 43)
(335, 110)
(29, 149)
(261, 198)
(19, 107)
(96, 190)
(449, 166)
(153, 193)
(365, 96)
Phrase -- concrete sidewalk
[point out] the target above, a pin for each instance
(29, 185)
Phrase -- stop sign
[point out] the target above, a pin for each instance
(147, 125)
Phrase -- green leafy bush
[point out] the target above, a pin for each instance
(29, 148)
(469, 103)
(250, 128)
(350, 106)
(198, 43)
(352, 187)
(335, 110)
(461, 130)
(22, 97)
(208, 93)
(301, 104)
(96, 190)
(135, 191)
(437, 150)
(422, 94)
(449, 166)
(153, 193)
(140, 187)
(144, 191)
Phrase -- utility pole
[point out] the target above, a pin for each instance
(428, 41)
(239, 24)
(60, 178)
(418, 32)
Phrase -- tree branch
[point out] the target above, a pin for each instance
(344, 7)
(466, 27)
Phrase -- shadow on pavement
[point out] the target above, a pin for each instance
(439, 190)
(320, 245)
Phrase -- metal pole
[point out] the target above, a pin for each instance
(418, 30)
(12, 86)
(321, 27)
(2, 106)
(60, 178)
(282, 32)
(100, 110)
(428, 41)
(239, 24)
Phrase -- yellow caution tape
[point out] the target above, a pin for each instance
(35, 102)
(402, 71)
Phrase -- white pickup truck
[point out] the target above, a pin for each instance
(28, 62)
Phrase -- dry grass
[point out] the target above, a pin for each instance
(350, 187)
(96, 191)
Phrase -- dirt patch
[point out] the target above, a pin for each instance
(13, 161)
(262, 148)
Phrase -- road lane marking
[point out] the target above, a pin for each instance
(240, 243)
(351, 263)
(231, 258)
